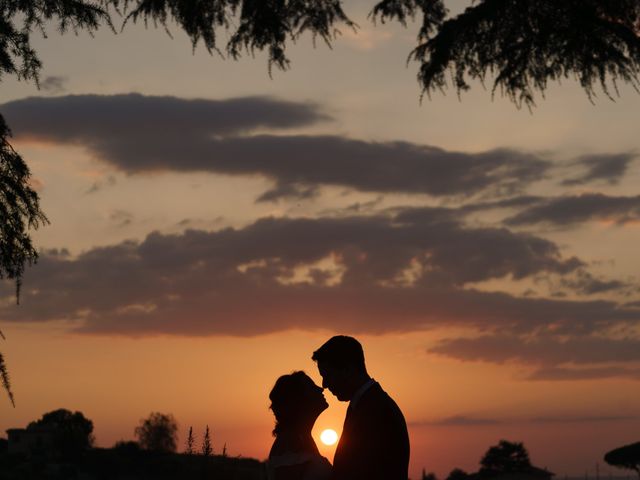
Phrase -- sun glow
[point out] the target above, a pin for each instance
(328, 437)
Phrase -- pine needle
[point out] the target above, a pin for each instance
(4, 378)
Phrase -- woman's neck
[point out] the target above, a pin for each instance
(297, 439)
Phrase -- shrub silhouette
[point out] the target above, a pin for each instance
(627, 457)
(158, 433)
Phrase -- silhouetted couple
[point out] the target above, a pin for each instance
(374, 444)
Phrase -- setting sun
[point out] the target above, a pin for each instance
(329, 437)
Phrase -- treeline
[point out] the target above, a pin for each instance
(60, 446)
(124, 463)
(511, 460)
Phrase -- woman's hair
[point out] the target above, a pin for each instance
(286, 396)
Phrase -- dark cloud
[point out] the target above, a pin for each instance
(585, 283)
(464, 421)
(137, 134)
(585, 419)
(540, 350)
(430, 213)
(570, 210)
(606, 167)
(54, 84)
(357, 208)
(121, 218)
(382, 275)
(289, 190)
(111, 124)
(507, 203)
(467, 421)
(98, 185)
(594, 373)
(459, 421)
(200, 223)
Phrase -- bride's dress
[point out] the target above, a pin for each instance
(316, 467)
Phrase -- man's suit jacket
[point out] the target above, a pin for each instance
(374, 444)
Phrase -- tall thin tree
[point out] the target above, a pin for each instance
(190, 443)
(207, 449)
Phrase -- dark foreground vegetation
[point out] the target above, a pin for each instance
(130, 463)
(59, 446)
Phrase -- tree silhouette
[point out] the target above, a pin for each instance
(72, 432)
(428, 476)
(505, 457)
(158, 433)
(207, 449)
(190, 443)
(457, 474)
(526, 43)
(127, 447)
(4, 377)
(19, 211)
(523, 44)
(627, 457)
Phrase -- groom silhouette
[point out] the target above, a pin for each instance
(374, 444)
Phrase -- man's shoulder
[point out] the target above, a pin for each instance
(376, 394)
(376, 399)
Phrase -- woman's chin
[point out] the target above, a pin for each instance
(322, 406)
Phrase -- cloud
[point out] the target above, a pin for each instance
(459, 421)
(98, 185)
(607, 167)
(109, 123)
(570, 210)
(361, 274)
(368, 207)
(121, 218)
(585, 283)
(289, 190)
(513, 202)
(556, 374)
(464, 421)
(585, 419)
(54, 84)
(139, 134)
(546, 350)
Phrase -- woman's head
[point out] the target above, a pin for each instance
(296, 401)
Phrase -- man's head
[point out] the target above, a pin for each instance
(341, 364)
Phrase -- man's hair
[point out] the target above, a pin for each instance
(341, 351)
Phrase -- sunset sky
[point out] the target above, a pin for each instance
(212, 226)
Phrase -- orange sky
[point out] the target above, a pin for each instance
(224, 382)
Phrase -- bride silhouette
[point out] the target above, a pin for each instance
(296, 402)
